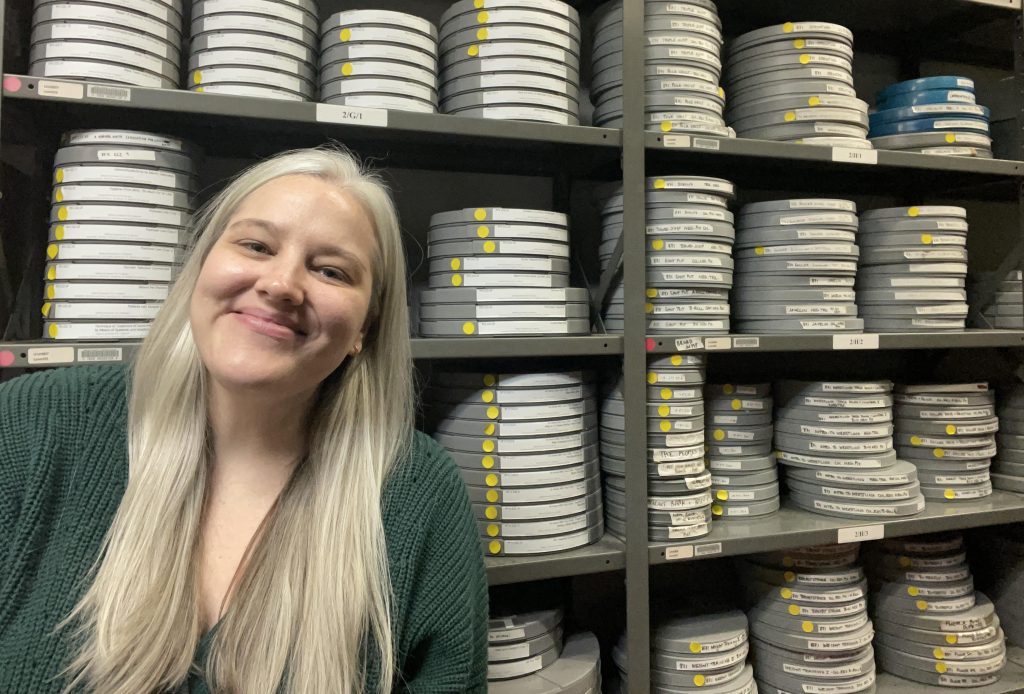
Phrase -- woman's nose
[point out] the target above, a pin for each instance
(282, 281)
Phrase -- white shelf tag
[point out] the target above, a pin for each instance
(51, 355)
(61, 90)
(746, 342)
(681, 552)
(353, 115)
(718, 343)
(107, 91)
(705, 143)
(94, 354)
(856, 341)
(861, 533)
(689, 344)
(855, 156)
(676, 141)
(706, 550)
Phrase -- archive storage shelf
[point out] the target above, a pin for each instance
(982, 33)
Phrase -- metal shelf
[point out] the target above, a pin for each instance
(1011, 680)
(670, 344)
(241, 125)
(791, 528)
(607, 554)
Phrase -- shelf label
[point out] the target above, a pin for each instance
(110, 92)
(855, 156)
(94, 354)
(746, 342)
(705, 143)
(861, 533)
(718, 343)
(352, 115)
(708, 549)
(51, 355)
(61, 90)
(680, 552)
(855, 341)
(676, 141)
(689, 344)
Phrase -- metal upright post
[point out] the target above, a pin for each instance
(1018, 82)
(634, 351)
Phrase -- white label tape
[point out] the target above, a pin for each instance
(61, 90)
(861, 533)
(352, 115)
(676, 553)
(676, 141)
(718, 343)
(51, 355)
(858, 341)
(746, 342)
(689, 344)
(708, 549)
(855, 156)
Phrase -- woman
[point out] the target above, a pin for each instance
(248, 509)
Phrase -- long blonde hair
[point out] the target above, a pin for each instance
(314, 601)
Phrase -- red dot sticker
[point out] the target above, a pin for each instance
(6, 358)
(11, 84)
(650, 344)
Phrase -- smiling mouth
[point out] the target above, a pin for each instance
(268, 326)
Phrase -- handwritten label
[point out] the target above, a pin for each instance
(717, 343)
(51, 355)
(858, 341)
(61, 90)
(689, 344)
(676, 141)
(861, 533)
(677, 553)
(855, 156)
(352, 115)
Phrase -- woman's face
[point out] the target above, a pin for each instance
(283, 295)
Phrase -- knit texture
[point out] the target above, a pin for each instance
(63, 470)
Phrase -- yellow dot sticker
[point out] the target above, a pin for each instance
(62, 214)
(487, 446)
(814, 101)
(808, 627)
(53, 331)
(651, 293)
(788, 27)
(913, 591)
(51, 274)
(759, 250)
(788, 563)
(717, 510)
(490, 246)
(487, 396)
(939, 653)
(469, 327)
(481, 34)
(916, 440)
(652, 378)
(663, 410)
(666, 393)
(480, 214)
(489, 429)
(721, 92)
(648, 308)
(950, 138)
(789, 576)
(666, 426)
(456, 263)
(799, 43)
(719, 434)
(482, 17)
(695, 647)
(676, 360)
(657, 244)
(51, 251)
(483, 231)
(951, 639)
(804, 58)
(722, 495)
(926, 239)
(50, 291)
(478, 4)
(698, 680)
(913, 212)
(905, 562)
(58, 195)
(197, 77)
(58, 176)
(494, 547)
(58, 232)
(200, 89)
(949, 494)
(346, 69)
(736, 404)
(939, 453)
(786, 593)
(490, 380)
(456, 280)
(493, 412)
(921, 605)
(345, 34)
(940, 668)
(659, 183)
(487, 462)
(666, 126)
(491, 512)
(46, 308)
(728, 389)
(950, 429)
(491, 480)
(473, 51)
(493, 496)
(794, 610)
(789, 117)
(493, 530)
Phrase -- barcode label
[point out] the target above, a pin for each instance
(93, 354)
(104, 91)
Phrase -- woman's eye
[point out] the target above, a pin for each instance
(333, 274)
(255, 246)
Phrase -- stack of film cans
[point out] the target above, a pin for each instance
(696, 654)
(913, 268)
(796, 261)
(119, 226)
(689, 237)
(932, 115)
(498, 271)
(932, 627)
(1003, 310)
(810, 629)
(744, 476)
(793, 82)
(378, 59)
(526, 445)
(678, 485)
(1008, 466)
(136, 42)
(948, 431)
(835, 440)
(511, 60)
(527, 654)
(258, 48)
(683, 65)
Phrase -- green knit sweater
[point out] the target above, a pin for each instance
(63, 470)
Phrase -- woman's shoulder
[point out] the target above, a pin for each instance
(426, 468)
(70, 395)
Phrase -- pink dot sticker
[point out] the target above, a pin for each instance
(650, 344)
(6, 358)
(11, 84)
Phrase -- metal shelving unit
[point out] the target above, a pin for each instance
(34, 108)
